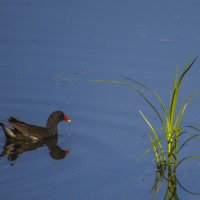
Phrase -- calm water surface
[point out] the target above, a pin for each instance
(51, 50)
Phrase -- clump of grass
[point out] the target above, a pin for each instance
(170, 118)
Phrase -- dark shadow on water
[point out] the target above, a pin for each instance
(12, 149)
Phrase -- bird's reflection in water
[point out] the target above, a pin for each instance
(12, 149)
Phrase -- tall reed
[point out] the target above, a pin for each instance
(170, 118)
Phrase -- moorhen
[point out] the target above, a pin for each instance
(31, 133)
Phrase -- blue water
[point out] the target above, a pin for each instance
(49, 53)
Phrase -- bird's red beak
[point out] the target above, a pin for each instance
(67, 119)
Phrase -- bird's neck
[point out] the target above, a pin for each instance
(52, 127)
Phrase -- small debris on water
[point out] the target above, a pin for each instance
(62, 77)
(166, 40)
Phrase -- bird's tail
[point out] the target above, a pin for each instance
(8, 132)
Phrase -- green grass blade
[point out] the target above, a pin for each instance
(188, 157)
(139, 92)
(189, 139)
(153, 92)
(193, 127)
(191, 134)
(155, 148)
(173, 102)
(176, 89)
(187, 68)
(153, 143)
(149, 124)
(186, 190)
(153, 131)
(182, 109)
